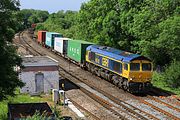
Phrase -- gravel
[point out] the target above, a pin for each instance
(165, 108)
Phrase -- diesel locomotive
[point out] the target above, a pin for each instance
(128, 71)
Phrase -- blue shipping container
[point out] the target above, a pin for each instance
(50, 36)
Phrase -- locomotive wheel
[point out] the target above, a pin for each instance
(93, 69)
(88, 67)
(125, 87)
(115, 80)
(120, 84)
(99, 73)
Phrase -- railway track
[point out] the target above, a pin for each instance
(133, 112)
(126, 108)
(152, 102)
(28, 47)
(129, 109)
(121, 111)
(87, 111)
(35, 52)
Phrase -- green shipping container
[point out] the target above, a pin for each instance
(77, 50)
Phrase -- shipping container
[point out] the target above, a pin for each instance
(61, 45)
(50, 36)
(41, 37)
(77, 50)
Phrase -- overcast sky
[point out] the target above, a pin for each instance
(52, 5)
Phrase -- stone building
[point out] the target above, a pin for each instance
(40, 74)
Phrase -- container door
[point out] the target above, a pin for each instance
(39, 81)
(43, 37)
(65, 46)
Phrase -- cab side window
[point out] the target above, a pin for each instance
(92, 56)
(117, 66)
(125, 66)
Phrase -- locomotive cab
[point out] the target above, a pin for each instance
(139, 74)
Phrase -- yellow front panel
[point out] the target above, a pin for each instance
(140, 76)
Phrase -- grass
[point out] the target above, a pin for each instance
(164, 87)
(20, 98)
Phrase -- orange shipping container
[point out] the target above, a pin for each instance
(41, 37)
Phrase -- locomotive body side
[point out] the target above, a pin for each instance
(117, 66)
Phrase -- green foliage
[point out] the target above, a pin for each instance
(172, 74)
(31, 16)
(38, 116)
(17, 99)
(99, 22)
(9, 25)
(62, 22)
(170, 77)
(154, 25)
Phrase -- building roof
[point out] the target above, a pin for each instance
(114, 53)
(34, 61)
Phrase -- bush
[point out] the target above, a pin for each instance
(170, 77)
(172, 74)
(38, 116)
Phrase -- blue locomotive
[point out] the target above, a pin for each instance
(128, 71)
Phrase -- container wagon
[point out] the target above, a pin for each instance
(50, 36)
(41, 37)
(77, 51)
(61, 45)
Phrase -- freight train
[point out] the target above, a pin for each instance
(131, 72)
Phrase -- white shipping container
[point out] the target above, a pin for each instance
(59, 44)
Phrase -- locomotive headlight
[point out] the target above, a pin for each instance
(130, 78)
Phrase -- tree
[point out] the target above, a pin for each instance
(8, 57)
(31, 16)
(154, 26)
(62, 22)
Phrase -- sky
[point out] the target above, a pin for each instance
(52, 5)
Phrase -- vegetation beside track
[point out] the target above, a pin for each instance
(20, 98)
